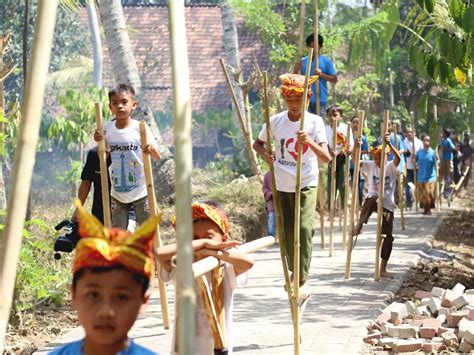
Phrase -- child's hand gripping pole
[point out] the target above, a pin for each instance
(276, 201)
(355, 192)
(104, 180)
(153, 212)
(383, 157)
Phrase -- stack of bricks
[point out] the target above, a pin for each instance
(434, 321)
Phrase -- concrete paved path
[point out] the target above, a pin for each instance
(337, 314)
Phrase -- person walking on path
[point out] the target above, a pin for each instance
(364, 151)
(268, 195)
(284, 127)
(409, 140)
(446, 170)
(466, 151)
(426, 176)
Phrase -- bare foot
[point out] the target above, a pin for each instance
(387, 274)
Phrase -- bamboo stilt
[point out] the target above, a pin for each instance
(383, 159)
(276, 200)
(186, 296)
(296, 258)
(437, 184)
(301, 29)
(332, 202)
(322, 206)
(415, 197)
(401, 202)
(355, 192)
(11, 236)
(104, 179)
(346, 188)
(153, 212)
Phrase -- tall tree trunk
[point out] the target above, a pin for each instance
(96, 43)
(125, 70)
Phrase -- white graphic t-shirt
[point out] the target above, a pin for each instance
(373, 176)
(409, 147)
(127, 176)
(341, 139)
(283, 132)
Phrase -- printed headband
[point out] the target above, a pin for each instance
(378, 150)
(204, 211)
(293, 84)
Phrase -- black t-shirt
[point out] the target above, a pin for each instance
(91, 172)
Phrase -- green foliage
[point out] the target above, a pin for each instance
(73, 175)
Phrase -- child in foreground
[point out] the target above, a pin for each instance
(372, 168)
(210, 234)
(111, 274)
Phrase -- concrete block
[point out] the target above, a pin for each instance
(383, 318)
(374, 336)
(407, 331)
(437, 292)
(384, 329)
(417, 316)
(458, 289)
(441, 318)
(432, 323)
(434, 304)
(446, 311)
(450, 339)
(428, 333)
(465, 347)
(403, 345)
(448, 298)
(469, 292)
(425, 301)
(398, 313)
(393, 331)
(463, 325)
(433, 347)
(422, 294)
(411, 308)
(455, 317)
(386, 342)
(468, 332)
(423, 311)
(437, 339)
(460, 301)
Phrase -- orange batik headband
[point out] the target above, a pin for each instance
(102, 247)
(378, 151)
(204, 211)
(293, 84)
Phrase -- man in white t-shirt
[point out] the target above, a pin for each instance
(372, 168)
(285, 131)
(410, 158)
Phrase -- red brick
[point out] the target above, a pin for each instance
(470, 316)
(433, 347)
(383, 318)
(402, 345)
(374, 336)
(448, 298)
(422, 294)
(432, 323)
(455, 317)
(428, 333)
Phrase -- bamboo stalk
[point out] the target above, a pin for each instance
(355, 192)
(383, 159)
(276, 200)
(297, 223)
(346, 188)
(401, 203)
(415, 198)
(437, 184)
(301, 29)
(104, 179)
(183, 170)
(332, 202)
(153, 212)
(247, 134)
(27, 141)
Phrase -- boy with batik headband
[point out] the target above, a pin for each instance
(284, 129)
(372, 168)
(111, 274)
(210, 233)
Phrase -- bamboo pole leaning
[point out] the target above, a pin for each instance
(355, 192)
(438, 183)
(186, 295)
(401, 202)
(24, 161)
(383, 159)
(154, 212)
(301, 29)
(346, 188)
(276, 200)
(332, 201)
(104, 177)
(413, 123)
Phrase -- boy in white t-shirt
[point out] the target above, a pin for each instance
(127, 176)
(285, 131)
(372, 168)
(210, 229)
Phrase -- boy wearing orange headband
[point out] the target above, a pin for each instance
(372, 168)
(211, 230)
(111, 274)
(285, 131)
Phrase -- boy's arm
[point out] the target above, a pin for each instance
(396, 154)
(153, 151)
(320, 149)
(240, 261)
(259, 147)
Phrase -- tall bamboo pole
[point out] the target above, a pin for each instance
(276, 199)
(301, 29)
(104, 179)
(383, 159)
(355, 192)
(296, 258)
(154, 212)
(318, 112)
(413, 123)
(401, 203)
(183, 160)
(332, 202)
(346, 188)
(11, 237)
(437, 184)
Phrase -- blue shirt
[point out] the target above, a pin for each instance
(400, 146)
(426, 161)
(327, 67)
(448, 147)
(75, 348)
(364, 146)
